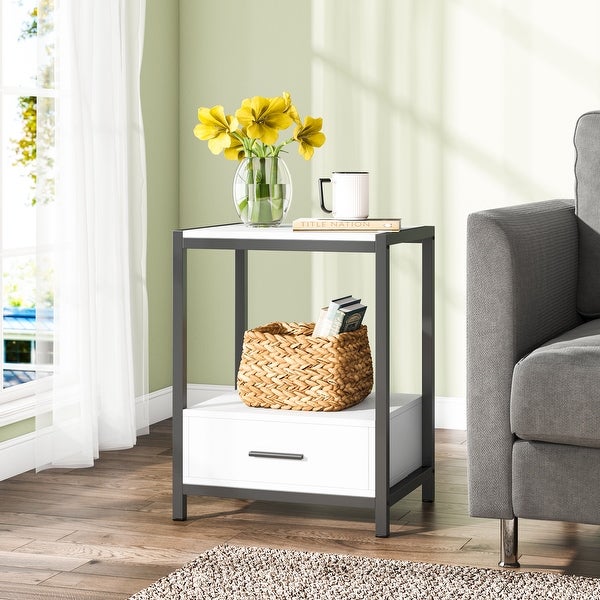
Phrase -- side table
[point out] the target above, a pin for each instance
(241, 239)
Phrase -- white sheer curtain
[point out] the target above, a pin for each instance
(100, 350)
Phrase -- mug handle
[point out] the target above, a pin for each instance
(323, 180)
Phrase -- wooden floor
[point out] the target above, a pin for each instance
(106, 532)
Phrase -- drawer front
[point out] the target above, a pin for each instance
(274, 455)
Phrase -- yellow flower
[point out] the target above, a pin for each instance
(309, 136)
(215, 127)
(235, 150)
(263, 118)
(291, 109)
(254, 129)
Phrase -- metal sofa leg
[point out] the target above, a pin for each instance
(509, 542)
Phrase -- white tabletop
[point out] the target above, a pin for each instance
(282, 232)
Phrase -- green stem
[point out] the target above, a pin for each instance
(245, 202)
(277, 190)
(263, 170)
(274, 171)
(250, 171)
(260, 211)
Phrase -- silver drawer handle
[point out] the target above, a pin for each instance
(284, 455)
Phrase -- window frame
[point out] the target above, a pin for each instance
(18, 401)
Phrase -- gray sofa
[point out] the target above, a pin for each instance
(533, 355)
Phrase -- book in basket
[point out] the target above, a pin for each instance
(324, 324)
(342, 315)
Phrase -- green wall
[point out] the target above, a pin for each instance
(231, 50)
(9, 432)
(160, 107)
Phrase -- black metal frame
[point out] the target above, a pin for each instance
(375, 243)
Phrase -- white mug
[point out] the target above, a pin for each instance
(349, 194)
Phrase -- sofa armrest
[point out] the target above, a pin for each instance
(521, 291)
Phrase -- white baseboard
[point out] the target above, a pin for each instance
(18, 455)
(161, 402)
(450, 413)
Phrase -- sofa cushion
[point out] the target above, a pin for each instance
(587, 207)
(555, 393)
(556, 482)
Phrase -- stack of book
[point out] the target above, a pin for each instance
(343, 314)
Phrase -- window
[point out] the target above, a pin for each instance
(27, 189)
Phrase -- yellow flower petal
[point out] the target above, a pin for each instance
(235, 151)
(290, 109)
(217, 144)
(258, 131)
(294, 114)
(204, 132)
(305, 150)
(214, 116)
(247, 113)
(277, 120)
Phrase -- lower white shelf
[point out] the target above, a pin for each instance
(317, 452)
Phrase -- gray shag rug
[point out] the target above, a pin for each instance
(243, 573)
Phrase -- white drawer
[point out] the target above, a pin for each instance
(328, 453)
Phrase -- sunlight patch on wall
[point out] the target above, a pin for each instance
(453, 106)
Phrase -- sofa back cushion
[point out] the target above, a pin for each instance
(587, 207)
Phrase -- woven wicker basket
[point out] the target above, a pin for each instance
(283, 366)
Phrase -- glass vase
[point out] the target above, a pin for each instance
(262, 191)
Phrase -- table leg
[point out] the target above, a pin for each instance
(241, 305)
(179, 372)
(428, 366)
(382, 388)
